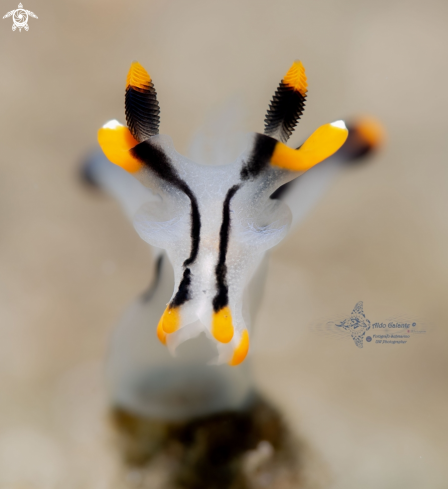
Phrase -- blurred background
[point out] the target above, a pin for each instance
(70, 262)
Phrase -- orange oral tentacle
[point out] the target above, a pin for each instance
(222, 326)
(241, 350)
(324, 142)
(170, 320)
(116, 141)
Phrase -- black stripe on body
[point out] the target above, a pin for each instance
(142, 111)
(156, 160)
(259, 158)
(221, 298)
(286, 108)
(183, 292)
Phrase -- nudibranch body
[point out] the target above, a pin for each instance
(215, 223)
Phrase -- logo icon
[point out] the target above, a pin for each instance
(396, 331)
(356, 324)
(20, 18)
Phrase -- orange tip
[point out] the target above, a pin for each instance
(296, 78)
(138, 77)
(116, 140)
(241, 350)
(371, 130)
(222, 326)
(161, 333)
(170, 320)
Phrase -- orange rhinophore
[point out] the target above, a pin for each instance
(141, 105)
(287, 104)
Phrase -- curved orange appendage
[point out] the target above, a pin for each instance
(116, 141)
(222, 326)
(241, 350)
(170, 320)
(324, 142)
